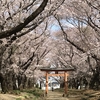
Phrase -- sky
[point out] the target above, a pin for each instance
(54, 27)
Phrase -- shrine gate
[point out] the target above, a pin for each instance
(57, 70)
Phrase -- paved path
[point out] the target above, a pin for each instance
(52, 95)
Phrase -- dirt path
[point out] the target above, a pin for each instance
(52, 95)
(22, 96)
(74, 95)
(10, 97)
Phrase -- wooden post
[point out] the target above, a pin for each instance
(65, 80)
(46, 92)
(56, 72)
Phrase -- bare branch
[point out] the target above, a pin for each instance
(27, 21)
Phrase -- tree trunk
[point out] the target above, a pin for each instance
(3, 83)
(94, 82)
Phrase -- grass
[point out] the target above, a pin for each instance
(59, 90)
(16, 92)
(26, 94)
(37, 93)
(18, 99)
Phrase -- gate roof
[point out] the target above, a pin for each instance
(68, 68)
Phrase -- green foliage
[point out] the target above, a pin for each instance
(18, 99)
(36, 92)
(17, 92)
